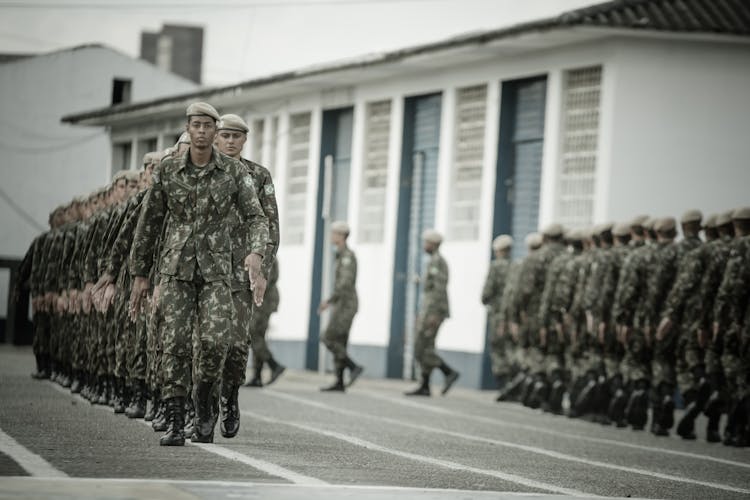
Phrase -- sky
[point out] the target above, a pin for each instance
(245, 39)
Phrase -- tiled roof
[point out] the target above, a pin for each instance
(701, 16)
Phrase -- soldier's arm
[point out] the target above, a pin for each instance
(121, 245)
(267, 198)
(253, 216)
(489, 290)
(345, 277)
(148, 227)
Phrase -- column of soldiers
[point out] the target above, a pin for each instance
(622, 319)
(149, 290)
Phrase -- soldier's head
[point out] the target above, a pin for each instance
(691, 223)
(339, 233)
(605, 234)
(431, 240)
(741, 221)
(666, 229)
(575, 239)
(502, 245)
(648, 229)
(621, 233)
(231, 135)
(709, 227)
(533, 242)
(553, 233)
(120, 186)
(201, 124)
(134, 179)
(724, 224)
(636, 227)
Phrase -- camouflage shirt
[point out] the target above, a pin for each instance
(435, 288)
(345, 278)
(198, 216)
(494, 285)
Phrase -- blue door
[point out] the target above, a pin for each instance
(416, 212)
(519, 171)
(332, 205)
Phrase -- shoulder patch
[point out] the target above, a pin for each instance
(247, 180)
(433, 269)
(346, 261)
(268, 188)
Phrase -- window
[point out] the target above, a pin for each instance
(144, 146)
(575, 201)
(121, 88)
(258, 138)
(271, 141)
(296, 187)
(375, 174)
(121, 153)
(466, 184)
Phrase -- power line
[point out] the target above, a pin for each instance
(197, 6)
(20, 211)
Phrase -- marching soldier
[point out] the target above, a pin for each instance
(492, 295)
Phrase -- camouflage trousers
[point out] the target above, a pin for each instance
(154, 321)
(663, 363)
(239, 348)
(336, 335)
(636, 363)
(54, 336)
(122, 328)
(690, 356)
(502, 352)
(137, 356)
(732, 365)
(261, 317)
(424, 343)
(77, 357)
(40, 343)
(203, 309)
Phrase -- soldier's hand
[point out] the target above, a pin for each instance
(108, 297)
(252, 266)
(715, 329)
(602, 331)
(560, 330)
(137, 293)
(86, 298)
(568, 321)
(104, 280)
(665, 326)
(155, 298)
(259, 290)
(543, 337)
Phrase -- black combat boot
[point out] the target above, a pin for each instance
(500, 381)
(355, 370)
(152, 408)
(66, 380)
(77, 385)
(137, 407)
(42, 368)
(205, 417)
(230, 411)
(636, 411)
(584, 403)
(686, 425)
(526, 389)
(338, 385)
(102, 390)
(616, 409)
(175, 417)
(539, 392)
(423, 389)
(276, 370)
(451, 376)
(510, 391)
(118, 395)
(190, 410)
(257, 380)
(602, 398)
(159, 423)
(556, 394)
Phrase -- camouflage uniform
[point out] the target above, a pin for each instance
(195, 266)
(492, 295)
(260, 319)
(345, 304)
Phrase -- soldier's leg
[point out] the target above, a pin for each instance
(40, 345)
(236, 363)
(637, 375)
(178, 304)
(214, 324)
(663, 385)
(499, 356)
(336, 338)
(136, 369)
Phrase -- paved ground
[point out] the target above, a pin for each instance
(296, 442)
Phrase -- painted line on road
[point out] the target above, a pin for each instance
(542, 430)
(420, 458)
(27, 459)
(507, 444)
(262, 465)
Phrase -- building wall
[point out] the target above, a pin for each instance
(679, 129)
(46, 163)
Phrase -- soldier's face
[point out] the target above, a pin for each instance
(231, 142)
(429, 246)
(202, 130)
(121, 190)
(132, 187)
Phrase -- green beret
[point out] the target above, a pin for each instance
(741, 214)
(340, 226)
(665, 224)
(432, 236)
(710, 222)
(502, 242)
(724, 218)
(691, 216)
(202, 108)
(233, 122)
(621, 229)
(553, 230)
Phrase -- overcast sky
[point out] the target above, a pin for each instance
(250, 38)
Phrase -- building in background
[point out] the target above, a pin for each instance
(599, 114)
(176, 48)
(47, 162)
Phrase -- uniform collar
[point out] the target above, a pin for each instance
(218, 160)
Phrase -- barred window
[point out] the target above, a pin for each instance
(374, 174)
(471, 110)
(575, 190)
(296, 185)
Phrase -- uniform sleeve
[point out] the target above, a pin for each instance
(490, 286)
(252, 214)
(346, 275)
(148, 228)
(688, 275)
(267, 198)
(121, 246)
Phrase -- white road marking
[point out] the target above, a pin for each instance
(262, 465)
(421, 458)
(542, 430)
(27, 459)
(507, 444)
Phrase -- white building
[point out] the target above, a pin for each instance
(600, 114)
(47, 162)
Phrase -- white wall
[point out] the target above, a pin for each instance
(46, 163)
(680, 129)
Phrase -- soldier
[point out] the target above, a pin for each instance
(433, 311)
(508, 312)
(492, 295)
(344, 302)
(197, 194)
(230, 138)
(730, 326)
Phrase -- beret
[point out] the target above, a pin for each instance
(741, 214)
(340, 226)
(233, 122)
(665, 224)
(724, 218)
(501, 242)
(621, 229)
(691, 216)
(639, 221)
(432, 236)
(533, 240)
(553, 230)
(202, 108)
